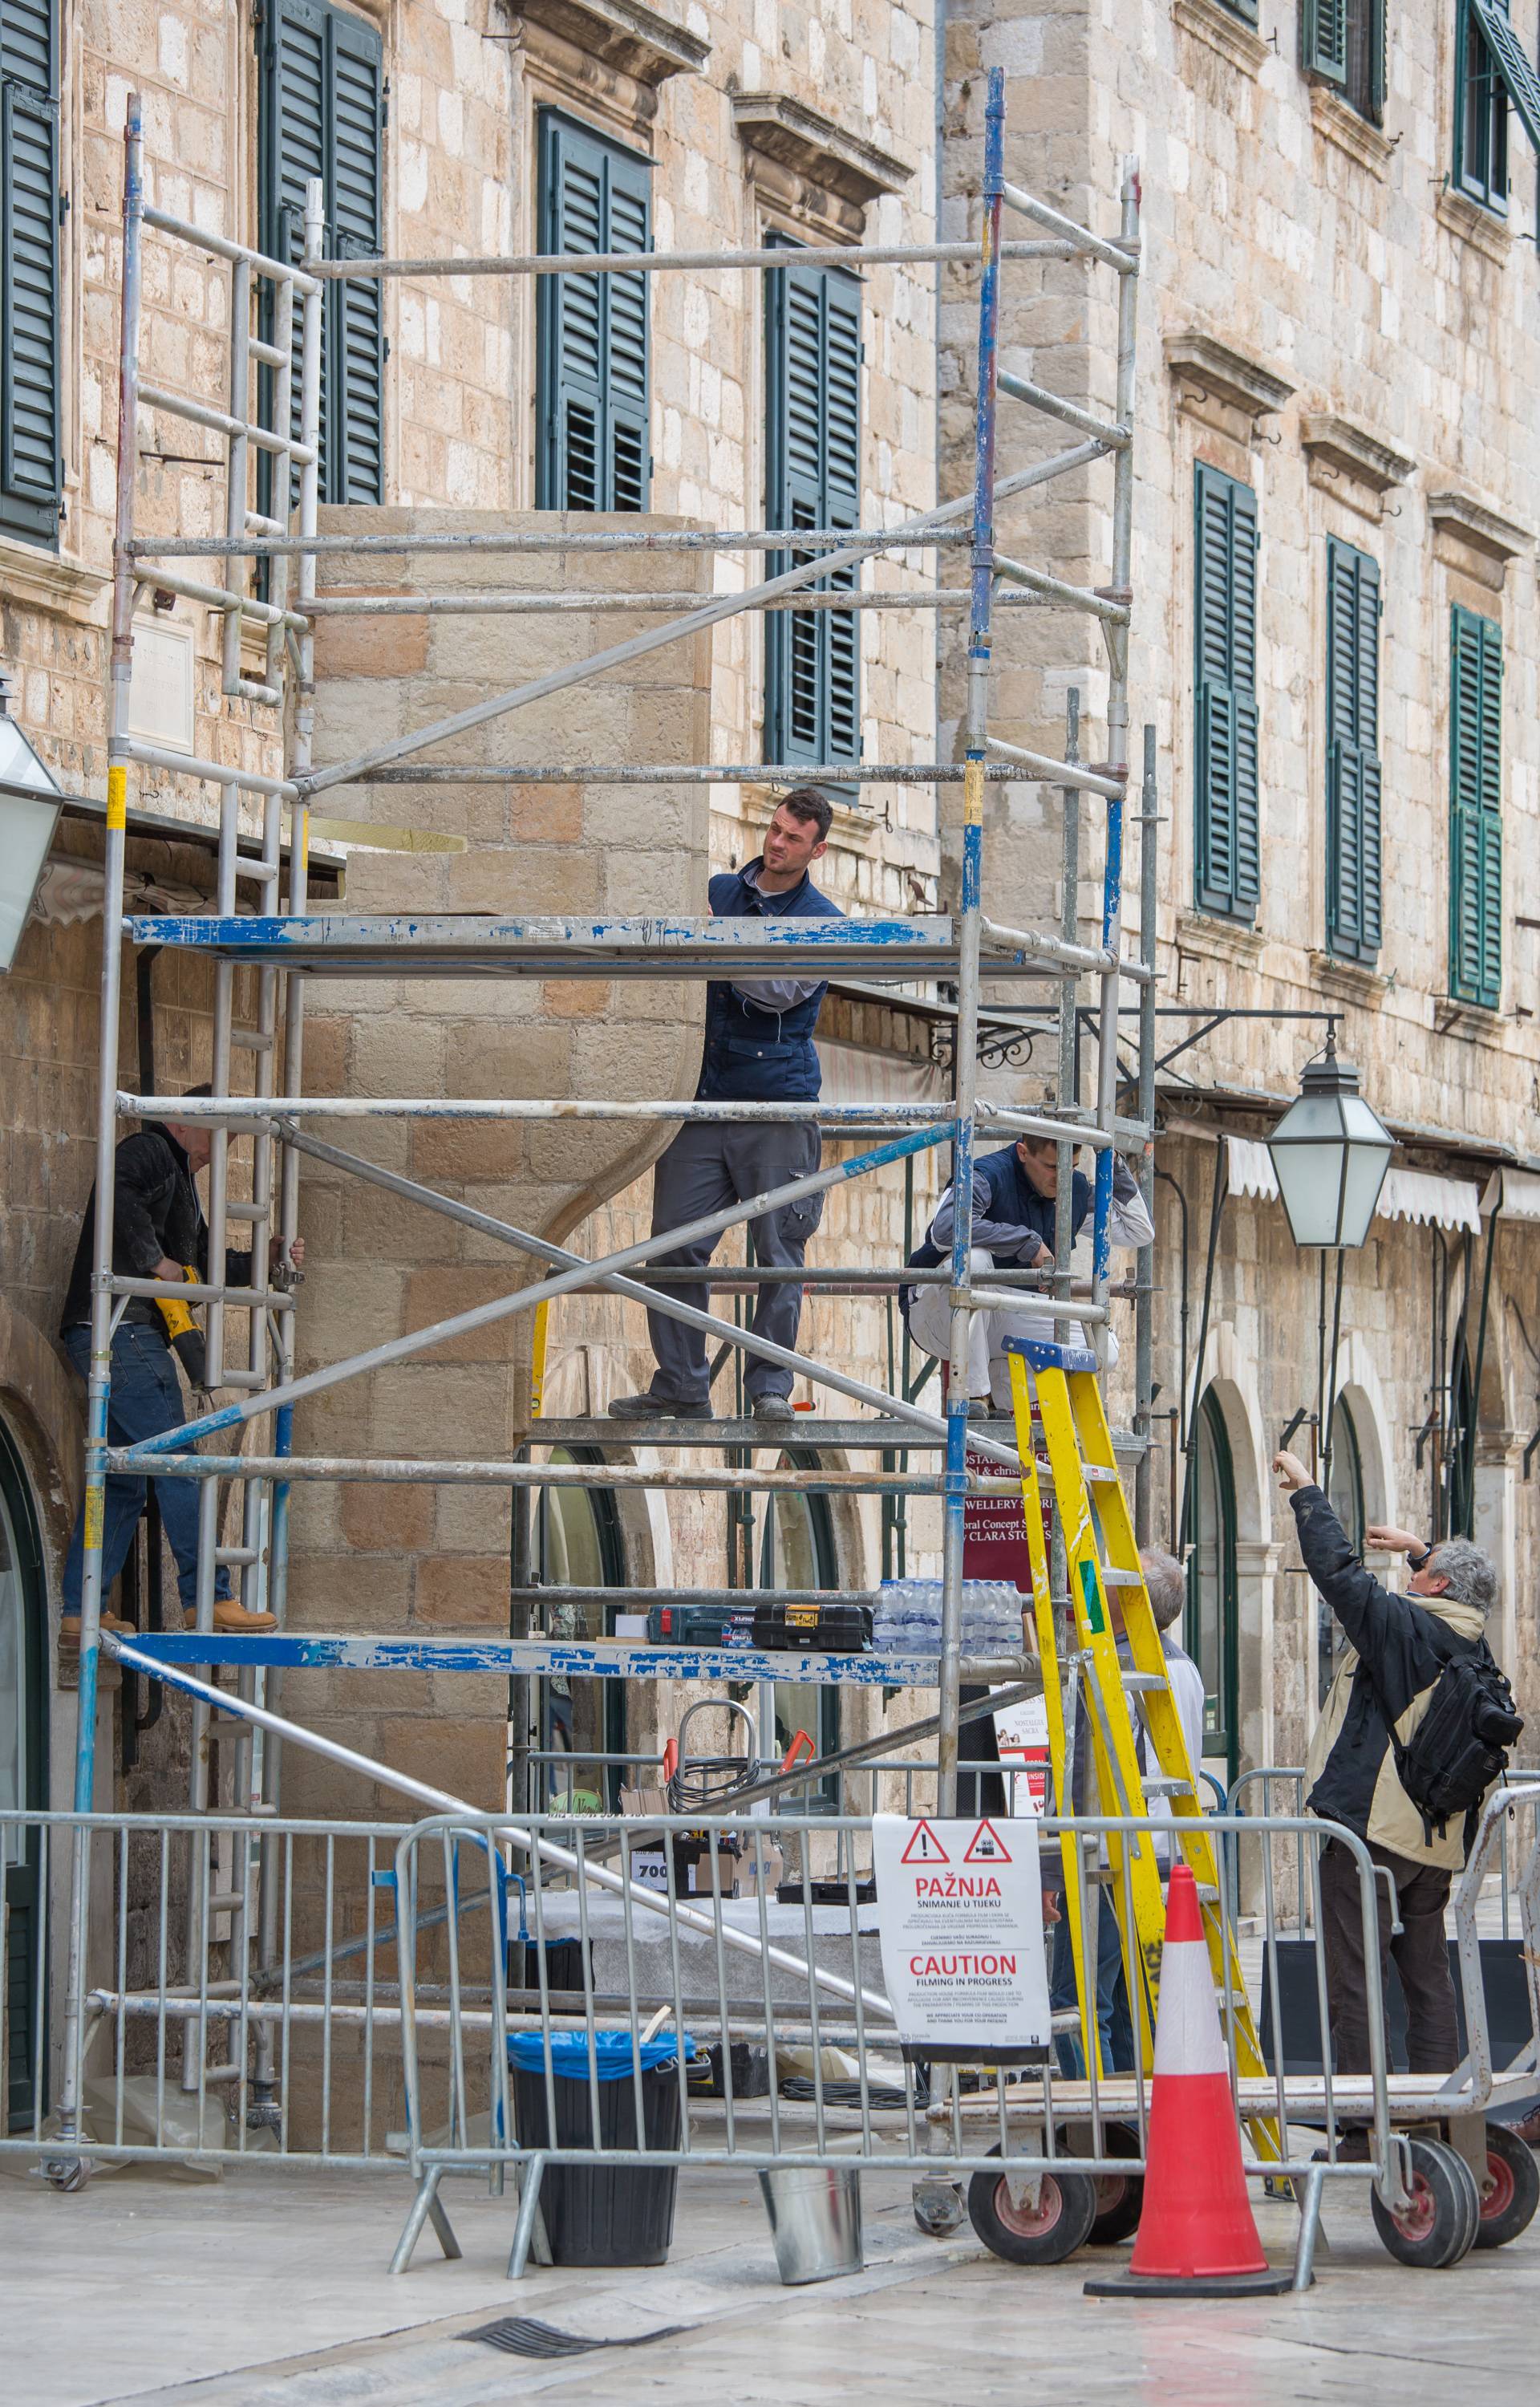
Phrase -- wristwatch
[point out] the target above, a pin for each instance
(1415, 1562)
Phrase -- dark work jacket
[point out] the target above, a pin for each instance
(1002, 1191)
(752, 1055)
(1398, 1645)
(156, 1212)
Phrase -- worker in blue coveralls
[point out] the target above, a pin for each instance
(758, 1048)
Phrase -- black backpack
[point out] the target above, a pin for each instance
(1459, 1746)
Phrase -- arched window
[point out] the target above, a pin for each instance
(23, 1773)
(1212, 1614)
(797, 1551)
(1346, 1501)
(580, 1546)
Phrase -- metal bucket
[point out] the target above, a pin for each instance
(816, 2221)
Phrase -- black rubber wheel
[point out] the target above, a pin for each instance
(1437, 2229)
(1045, 2235)
(1119, 2197)
(1511, 2191)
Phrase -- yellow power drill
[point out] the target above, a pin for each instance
(183, 1334)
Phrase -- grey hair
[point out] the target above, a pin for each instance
(1471, 1574)
(1167, 1583)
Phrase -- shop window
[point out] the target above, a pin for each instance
(579, 1543)
(1345, 1494)
(24, 1783)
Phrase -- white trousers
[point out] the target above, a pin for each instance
(988, 1369)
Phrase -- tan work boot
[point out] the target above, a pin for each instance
(70, 1629)
(233, 1620)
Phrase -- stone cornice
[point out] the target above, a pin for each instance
(1338, 121)
(625, 34)
(42, 580)
(1354, 451)
(1470, 522)
(816, 146)
(1226, 375)
(1210, 21)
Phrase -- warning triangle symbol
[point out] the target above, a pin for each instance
(986, 1847)
(925, 1847)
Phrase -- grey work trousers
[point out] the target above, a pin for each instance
(704, 1170)
(1420, 1954)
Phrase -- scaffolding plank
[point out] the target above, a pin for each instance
(586, 1659)
(634, 947)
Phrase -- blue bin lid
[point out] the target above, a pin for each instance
(614, 2056)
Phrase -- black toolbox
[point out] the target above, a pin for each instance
(824, 1628)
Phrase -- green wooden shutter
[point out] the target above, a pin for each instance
(592, 331)
(30, 467)
(1228, 838)
(813, 658)
(1352, 753)
(1512, 63)
(1323, 31)
(1476, 809)
(323, 114)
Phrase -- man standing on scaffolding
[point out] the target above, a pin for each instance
(758, 1048)
(158, 1232)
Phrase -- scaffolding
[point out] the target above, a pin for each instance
(278, 417)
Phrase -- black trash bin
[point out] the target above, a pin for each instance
(601, 2213)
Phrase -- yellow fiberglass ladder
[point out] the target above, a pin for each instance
(1102, 1560)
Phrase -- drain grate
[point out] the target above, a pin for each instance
(527, 2336)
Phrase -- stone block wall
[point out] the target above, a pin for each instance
(405, 1558)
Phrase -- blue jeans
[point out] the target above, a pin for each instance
(1114, 2025)
(146, 1398)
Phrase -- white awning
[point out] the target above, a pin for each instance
(1248, 1167)
(1519, 1193)
(852, 1075)
(1425, 1195)
(1406, 1195)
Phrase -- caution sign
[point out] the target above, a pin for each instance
(959, 1910)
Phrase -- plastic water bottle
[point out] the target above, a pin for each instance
(926, 1626)
(883, 1619)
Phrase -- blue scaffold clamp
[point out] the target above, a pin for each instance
(1041, 1354)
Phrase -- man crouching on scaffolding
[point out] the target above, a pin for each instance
(1015, 1198)
(758, 1048)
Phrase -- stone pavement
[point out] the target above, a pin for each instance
(270, 2290)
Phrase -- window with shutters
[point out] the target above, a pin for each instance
(813, 408)
(1352, 753)
(592, 446)
(1343, 43)
(1227, 855)
(323, 105)
(1480, 111)
(30, 478)
(1476, 809)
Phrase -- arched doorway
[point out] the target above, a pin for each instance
(1213, 1617)
(579, 1545)
(23, 1773)
(1346, 1494)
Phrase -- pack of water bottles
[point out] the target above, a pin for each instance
(907, 1619)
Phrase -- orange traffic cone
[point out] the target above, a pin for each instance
(1197, 2236)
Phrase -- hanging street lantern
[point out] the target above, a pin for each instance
(29, 813)
(1331, 1152)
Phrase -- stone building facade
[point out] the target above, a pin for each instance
(745, 125)
(1335, 347)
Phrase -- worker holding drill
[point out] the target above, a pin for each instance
(158, 1231)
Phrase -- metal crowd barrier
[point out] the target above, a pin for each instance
(799, 1985)
(287, 2048)
(370, 2029)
